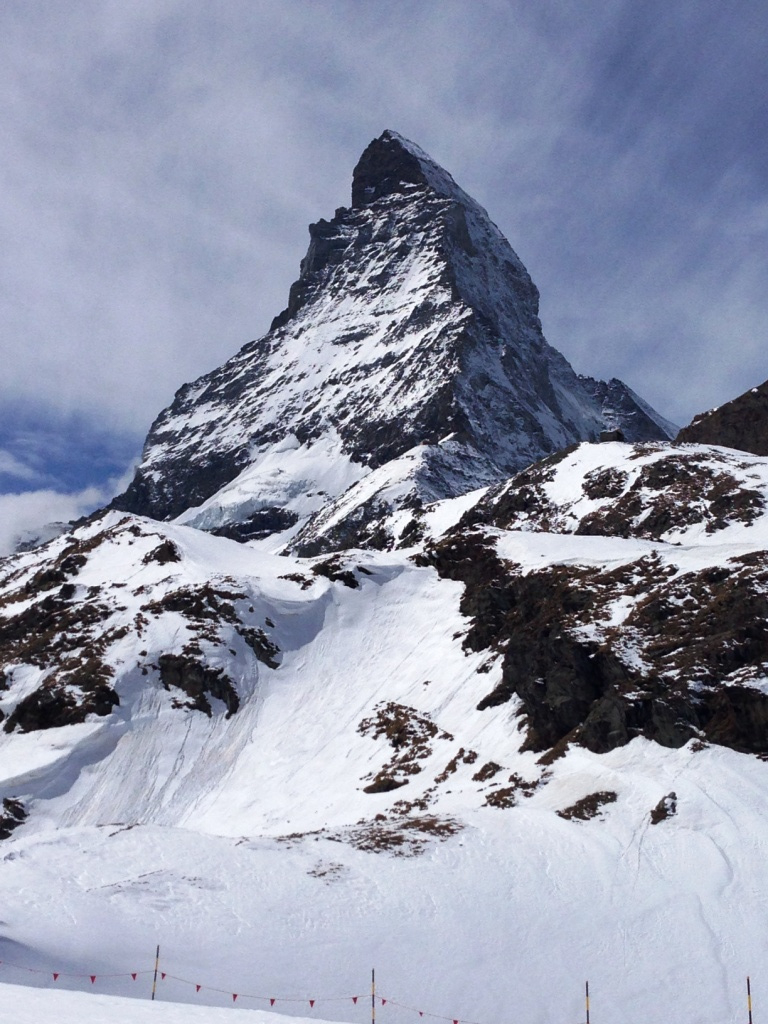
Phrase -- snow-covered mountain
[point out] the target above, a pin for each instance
(490, 733)
(412, 323)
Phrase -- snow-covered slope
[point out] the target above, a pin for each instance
(682, 493)
(23, 1005)
(412, 320)
(513, 756)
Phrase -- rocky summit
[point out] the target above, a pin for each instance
(412, 332)
(383, 659)
(741, 423)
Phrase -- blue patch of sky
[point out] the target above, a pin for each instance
(63, 453)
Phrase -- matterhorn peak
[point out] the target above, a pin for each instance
(392, 164)
(412, 328)
(487, 701)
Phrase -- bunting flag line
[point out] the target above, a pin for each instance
(425, 1013)
(272, 1000)
(72, 974)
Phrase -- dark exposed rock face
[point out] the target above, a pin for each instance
(412, 320)
(199, 682)
(66, 638)
(54, 705)
(678, 667)
(664, 809)
(589, 806)
(261, 524)
(741, 424)
(12, 815)
(163, 554)
(385, 168)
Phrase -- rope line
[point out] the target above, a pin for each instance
(199, 987)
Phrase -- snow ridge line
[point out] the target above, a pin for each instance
(382, 1000)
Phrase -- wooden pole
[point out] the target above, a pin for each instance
(749, 1000)
(157, 964)
(373, 995)
(587, 1001)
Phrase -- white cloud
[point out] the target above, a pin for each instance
(13, 467)
(21, 515)
(24, 514)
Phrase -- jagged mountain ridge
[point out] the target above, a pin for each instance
(412, 321)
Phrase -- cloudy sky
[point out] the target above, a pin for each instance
(162, 159)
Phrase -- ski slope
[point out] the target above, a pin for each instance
(248, 848)
(29, 1006)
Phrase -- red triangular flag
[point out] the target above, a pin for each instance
(197, 988)
(162, 975)
(383, 1002)
(55, 975)
(92, 977)
(354, 999)
(133, 975)
(311, 1002)
(271, 1002)
(455, 1022)
(234, 996)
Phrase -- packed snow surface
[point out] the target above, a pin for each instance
(27, 1006)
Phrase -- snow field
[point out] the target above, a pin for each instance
(228, 840)
(32, 1006)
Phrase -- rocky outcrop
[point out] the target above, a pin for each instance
(198, 682)
(63, 701)
(687, 660)
(741, 423)
(651, 491)
(12, 815)
(66, 638)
